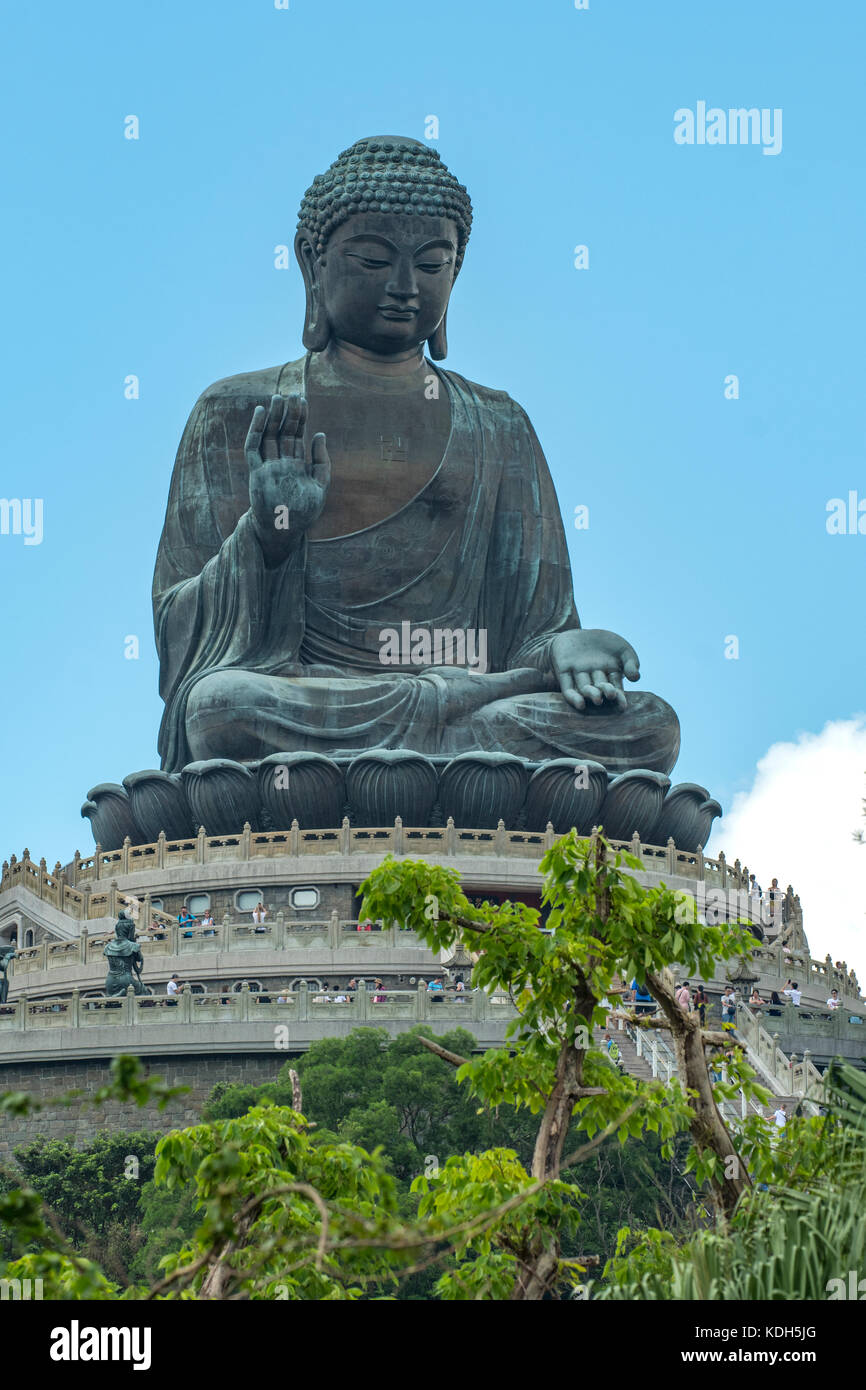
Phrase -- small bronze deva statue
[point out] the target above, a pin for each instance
(125, 960)
(7, 955)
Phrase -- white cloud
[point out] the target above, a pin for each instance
(796, 824)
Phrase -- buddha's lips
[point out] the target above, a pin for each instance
(391, 311)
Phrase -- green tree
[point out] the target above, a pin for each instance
(603, 925)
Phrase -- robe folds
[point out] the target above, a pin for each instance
(257, 660)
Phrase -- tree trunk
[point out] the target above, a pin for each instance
(709, 1130)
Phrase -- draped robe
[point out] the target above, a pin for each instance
(257, 660)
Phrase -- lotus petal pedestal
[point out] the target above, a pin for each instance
(159, 803)
(306, 787)
(111, 817)
(565, 793)
(687, 817)
(480, 789)
(222, 795)
(386, 783)
(633, 803)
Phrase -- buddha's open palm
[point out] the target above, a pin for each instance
(287, 493)
(590, 664)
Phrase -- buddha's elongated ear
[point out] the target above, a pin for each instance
(317, 328)
(437, 343)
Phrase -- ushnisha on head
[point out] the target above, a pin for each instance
(381, 238)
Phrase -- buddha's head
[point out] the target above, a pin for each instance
(381, 237)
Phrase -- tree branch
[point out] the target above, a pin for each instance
(453, 1057)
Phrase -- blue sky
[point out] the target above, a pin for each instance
(156, 257)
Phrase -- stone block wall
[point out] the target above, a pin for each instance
(81, 1124)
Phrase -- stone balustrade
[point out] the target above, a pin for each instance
(775, 964)
(301, 1006)
(801, 1078)
(176, 942)
(72, 888)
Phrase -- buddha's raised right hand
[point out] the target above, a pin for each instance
(287, 493)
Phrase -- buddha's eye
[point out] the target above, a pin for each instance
(431, 267)
(369, 264)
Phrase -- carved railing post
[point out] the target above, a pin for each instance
(302, 996)
(76, 867)
(174, 939)
(723, 869)
(112, 898)
(361, 1012)
(129, 1006)
(450, 836)
(500, 839)
(82, 946)
(345, 837)
(124, 855)
(86, 893)
(421, 1001)
(295, 839)
(670, 858)
(97, 861)
(185, 1009)
(335, 931)
(43, 869)
(244, 1012)
(549, 836)
(246, 837)
(226, 933)
(699, 864)
(398, 834)
(75, 1008)
(160, 850)
(200, 845)
(279, 933)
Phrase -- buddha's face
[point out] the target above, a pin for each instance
(386, 279)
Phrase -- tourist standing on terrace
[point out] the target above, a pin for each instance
(700, 1003)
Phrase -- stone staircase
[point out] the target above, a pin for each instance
(638, 1067)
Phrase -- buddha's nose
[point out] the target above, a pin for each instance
(403, 283)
